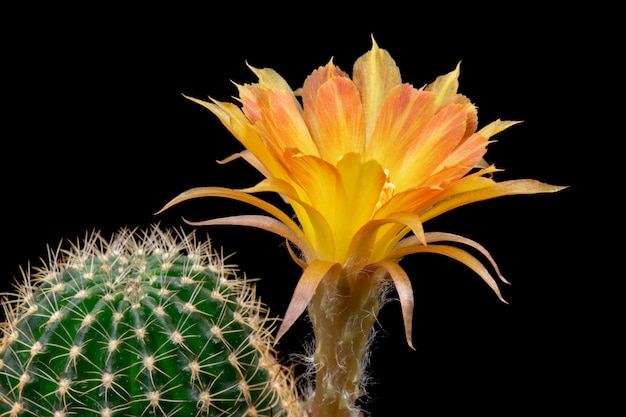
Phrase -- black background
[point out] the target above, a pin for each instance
(97, 136)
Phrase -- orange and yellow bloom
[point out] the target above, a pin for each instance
(364, 161)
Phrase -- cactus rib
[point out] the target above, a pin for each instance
(147, 323)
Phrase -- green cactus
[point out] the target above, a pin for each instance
(149, 323)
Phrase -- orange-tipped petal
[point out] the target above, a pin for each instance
(309, 93)
(438, 139)
(339, 119)
(315, 272)
(423, 140)
(405, 293)
(281, 124)
(403, 116)
(467, 155)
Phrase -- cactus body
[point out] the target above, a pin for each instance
(146, 324)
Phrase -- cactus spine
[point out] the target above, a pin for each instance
(148, 323)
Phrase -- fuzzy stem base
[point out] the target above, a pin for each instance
(343, 314)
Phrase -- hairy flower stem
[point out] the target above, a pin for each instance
(343, 313)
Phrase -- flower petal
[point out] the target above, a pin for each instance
(250, 158)
(339, 119)
(240, 127)
(313, 222)
(455, 253)
(438, 139)
(496, 127)
(315, 272)
(278, 120)
(445, 86)
(359, 188)
(271, 80)
(412, 200)
(362, 245)
(318, 179)
(435, 237)
(374, 73)
(309, 93)
(487, 190)
(403, 116)
(405, 293)
(413, 141)
(200, 192)
(267, 223)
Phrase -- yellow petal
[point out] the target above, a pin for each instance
(489, 191)
(445, 86)
(317, 182)
(315, 272)
(374, 73)
(318, 179)
(363, 241)
(271, 80)
(234, 120)
(496, 127)
(359, 188)
(410, 220)
(315, 225)
(240, 127)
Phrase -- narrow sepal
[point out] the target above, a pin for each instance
(403, 286)
(315, 272)
(266, 223)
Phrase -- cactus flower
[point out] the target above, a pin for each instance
(364, 161)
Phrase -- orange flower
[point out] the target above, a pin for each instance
(363, 162)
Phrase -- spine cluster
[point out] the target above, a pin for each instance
(148, 323)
